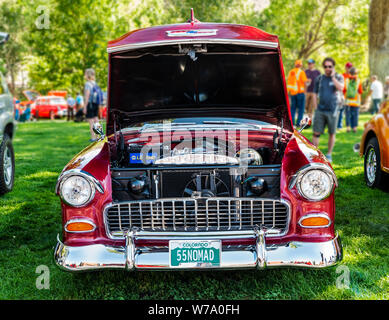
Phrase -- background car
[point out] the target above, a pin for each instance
(50, 107)
(374, 147)
(7, 130)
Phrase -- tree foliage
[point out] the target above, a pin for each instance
(12, 53)
(319, 28)
(78, 32)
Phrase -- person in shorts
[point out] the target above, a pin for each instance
(91, 110)
(329, 89)
(312, 73)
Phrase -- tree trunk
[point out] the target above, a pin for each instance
(379, 38)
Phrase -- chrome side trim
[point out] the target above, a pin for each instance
(261, 255)
(313, 215)
(140, 45)
(80, 220)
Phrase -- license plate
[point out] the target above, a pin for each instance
(194, 253)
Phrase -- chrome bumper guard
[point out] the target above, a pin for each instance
(260, 255)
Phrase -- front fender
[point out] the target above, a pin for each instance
(93, 160)
(299, 153)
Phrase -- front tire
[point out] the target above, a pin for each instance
(374, 177)
(7, 165)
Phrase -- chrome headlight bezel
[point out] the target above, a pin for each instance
(93, 182)
(297, 178)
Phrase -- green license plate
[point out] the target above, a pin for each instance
(194, 253)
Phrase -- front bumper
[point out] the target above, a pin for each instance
(260, 255)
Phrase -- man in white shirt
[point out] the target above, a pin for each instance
(376, 93)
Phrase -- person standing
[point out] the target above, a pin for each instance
(386, 88)
(352, 91)
(71, 103)
(376, 92)
(91, 109)
(79, 117)
(296, 83)
(328, 88)
(344, 108)
(312, 73)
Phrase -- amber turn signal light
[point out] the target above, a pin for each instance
(79, 226)
(315, 221)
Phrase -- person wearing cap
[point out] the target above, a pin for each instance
(312, 73)
(344, 107)
(296, 84)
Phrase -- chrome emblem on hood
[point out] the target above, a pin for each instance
(191, 33)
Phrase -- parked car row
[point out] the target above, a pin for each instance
(52, 106)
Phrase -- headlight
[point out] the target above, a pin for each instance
(77, 191)
(315, 185)
(314, 182)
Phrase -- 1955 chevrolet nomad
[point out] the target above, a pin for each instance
(201, 167)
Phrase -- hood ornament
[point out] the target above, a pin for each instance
(192, 19)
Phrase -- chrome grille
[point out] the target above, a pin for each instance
(188, 214)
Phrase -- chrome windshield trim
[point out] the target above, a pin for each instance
(140, 45)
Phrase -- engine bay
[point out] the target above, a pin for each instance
(150, 163)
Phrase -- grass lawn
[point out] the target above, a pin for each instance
(30, 219)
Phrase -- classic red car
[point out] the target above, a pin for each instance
(201, 167)
(50, 107)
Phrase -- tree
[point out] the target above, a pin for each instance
(379, 38)
(12, 52)
(74, 40)
(316, 28)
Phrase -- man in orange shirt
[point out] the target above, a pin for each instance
(296, 84)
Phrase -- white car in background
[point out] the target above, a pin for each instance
(7, 129)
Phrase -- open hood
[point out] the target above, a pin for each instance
(205, 76)
(31, 95)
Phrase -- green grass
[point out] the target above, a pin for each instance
(30, 219)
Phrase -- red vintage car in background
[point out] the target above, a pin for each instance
(201, 167)
(50, 107)
(31, 96)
